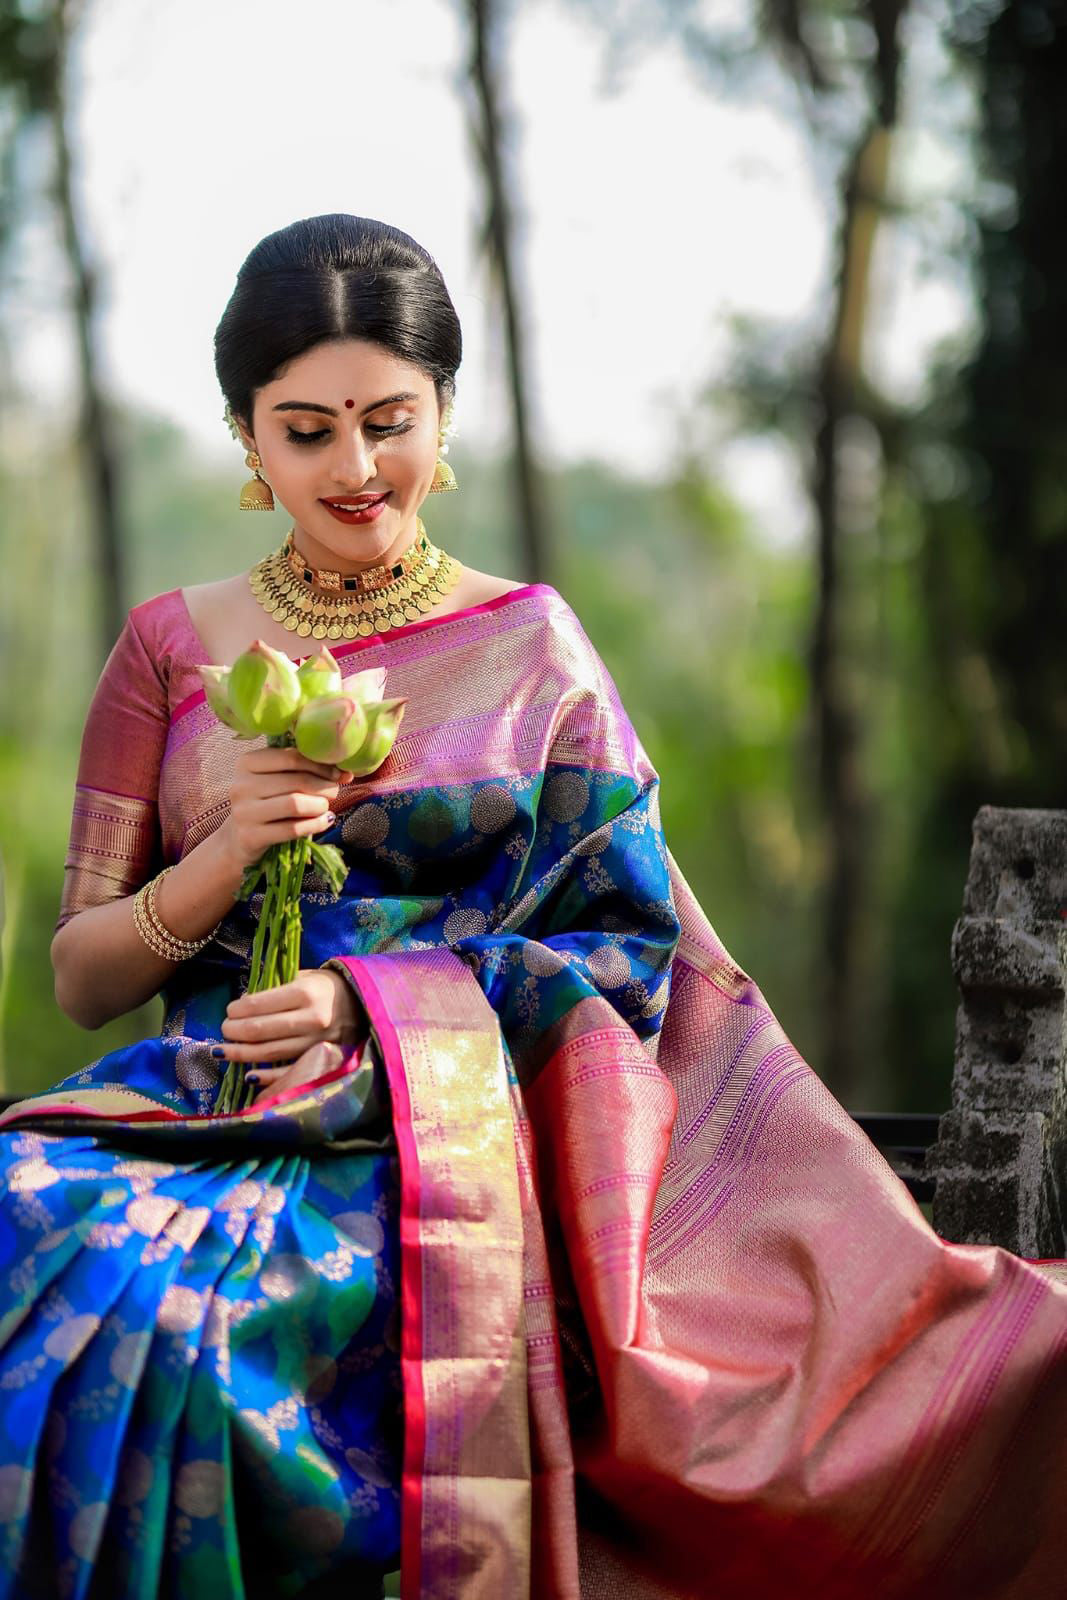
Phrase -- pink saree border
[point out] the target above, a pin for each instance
(411, 1329)
(467, 1490)
(352, 647)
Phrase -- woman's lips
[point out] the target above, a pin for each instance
(352, 512)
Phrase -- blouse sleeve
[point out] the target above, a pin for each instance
(115, 842)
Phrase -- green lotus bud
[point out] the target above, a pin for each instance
(330, 729)
(383, 725)
(264, 690)
(215, 680)
(319, 675)
(366, 687)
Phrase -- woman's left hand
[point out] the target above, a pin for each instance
(282, 1023)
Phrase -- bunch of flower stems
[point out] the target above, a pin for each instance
(276, 946)
(340, 722)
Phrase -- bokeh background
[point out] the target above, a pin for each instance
(765, 314)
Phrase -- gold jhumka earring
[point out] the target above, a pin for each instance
(443, 476)
(256, 494)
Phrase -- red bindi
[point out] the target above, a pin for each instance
(350, 404)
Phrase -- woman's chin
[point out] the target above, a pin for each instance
(371, 542)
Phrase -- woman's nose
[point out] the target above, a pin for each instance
(353, 462)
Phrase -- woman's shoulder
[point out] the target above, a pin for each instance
(160, 634)
(148, 618)
(478, 588)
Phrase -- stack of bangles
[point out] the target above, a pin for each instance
(156, 935)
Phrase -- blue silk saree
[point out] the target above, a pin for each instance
(573, 1281)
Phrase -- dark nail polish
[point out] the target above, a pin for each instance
(331, 818)
(217, 1051)
(251, 1077)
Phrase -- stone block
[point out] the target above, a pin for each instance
(1018, 866)
(1000, 1159)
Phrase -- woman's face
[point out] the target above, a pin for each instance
(348, 420)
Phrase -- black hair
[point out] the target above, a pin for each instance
(335, 277)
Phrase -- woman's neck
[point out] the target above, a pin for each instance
(349, 564)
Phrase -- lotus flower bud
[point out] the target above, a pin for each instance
(319, 675)
(383, 725)
(331, 729)
(215, 680)
(264, 690)
(366, 686)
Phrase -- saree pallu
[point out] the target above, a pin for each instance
(577, 1282)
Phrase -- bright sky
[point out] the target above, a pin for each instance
(649, 216)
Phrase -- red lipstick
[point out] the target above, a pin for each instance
(356, 508)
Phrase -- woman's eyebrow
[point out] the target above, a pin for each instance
(328, 411)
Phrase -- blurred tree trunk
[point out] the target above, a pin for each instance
(100, 459)
(995, 550)
(1017, 420)
(845, 803)
(498, 233)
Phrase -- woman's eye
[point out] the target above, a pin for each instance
(296, 437)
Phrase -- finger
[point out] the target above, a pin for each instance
(321, 1058)
(269, 1079)
(282, 997)
(285, 784)
(276, 1049)
(248, 1038)
(284, 758)
(316, 1058)
(287, 806)
(276, 1025)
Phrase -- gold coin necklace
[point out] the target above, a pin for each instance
(317, 603)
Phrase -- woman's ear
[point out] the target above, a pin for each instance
(240, 429)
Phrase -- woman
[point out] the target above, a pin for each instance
(542, 1265)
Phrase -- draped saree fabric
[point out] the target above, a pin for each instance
(573, 1283)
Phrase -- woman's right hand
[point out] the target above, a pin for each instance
(277, 794)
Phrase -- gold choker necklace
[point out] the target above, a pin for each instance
(357, 605)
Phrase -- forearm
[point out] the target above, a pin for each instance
(103, 968)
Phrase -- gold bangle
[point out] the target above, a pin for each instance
(156, 935)
(190, 945)
(148, 932)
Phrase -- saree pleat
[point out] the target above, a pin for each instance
(135, 1420)
(575, 1283)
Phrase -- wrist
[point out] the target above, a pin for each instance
(353, 1021)
(227, 861)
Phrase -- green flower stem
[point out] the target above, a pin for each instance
(275, 955)
(271, 914)
(279, 917)
(222, 1099)
(275, 949)
(301, 855)
(255, 981)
